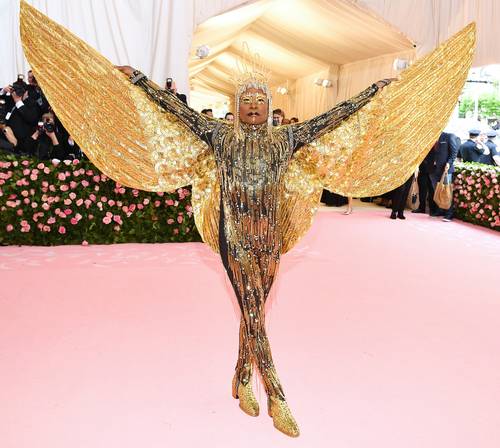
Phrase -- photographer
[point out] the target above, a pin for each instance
(44, 143)
(171, 87)
(8, 140)
(22, 117)
(36, 94)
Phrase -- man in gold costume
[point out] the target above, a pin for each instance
(255, 187)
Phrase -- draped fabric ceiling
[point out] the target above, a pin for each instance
(299, 41)
(351, 42)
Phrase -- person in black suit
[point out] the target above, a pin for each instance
(445, 153)
(425, 188)
(23, 116)
(472, 149)
(489, 157)
(35, 93)
(399, 196)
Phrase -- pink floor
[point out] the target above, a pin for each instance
(385, 334)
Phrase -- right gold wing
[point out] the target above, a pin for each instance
(125, 134)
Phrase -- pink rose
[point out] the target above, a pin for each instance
(111, 203)
(85, 183)
(170, 221)
(104, 199)
(62, 230)
(118, 219)
(106, 220)
(9, 228)
(96, 179)
(132, 208)
(176, 231)
(68, 212)
(87, 203)
(19, 212)
(51, 220)
(73, 221)
(116, 228)
(25, 163)
(46, 228)
(76, 162)
(125, 209)
(67, 202)
(73, 184)
(157, 203)
(40, 166)
(79, 202)
(92, 197)
(85, 243)
(26, 201)
(135, 192)
(61, 176)
(64, 187)
(180, 219)
(140, 206)
(90, 217)
(46, 170)
(45, 206)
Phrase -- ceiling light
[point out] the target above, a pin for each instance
(203, 51)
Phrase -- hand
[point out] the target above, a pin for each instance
(125, 69)
(447, 167)
(9, 134)
(52, 136)
(7, 89)
(385, 82)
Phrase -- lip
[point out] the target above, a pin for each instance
(253, 114)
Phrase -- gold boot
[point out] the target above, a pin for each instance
(248, 402)
(282, 417)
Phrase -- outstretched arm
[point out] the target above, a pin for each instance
(199, 124)
(310, 130)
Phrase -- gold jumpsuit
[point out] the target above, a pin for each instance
(250, 172)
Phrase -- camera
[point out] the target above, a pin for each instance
(20, 78)
(169, 83)
(45, 126)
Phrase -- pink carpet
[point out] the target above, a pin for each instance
(385, 334)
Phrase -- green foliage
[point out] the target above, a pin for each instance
(489, 105)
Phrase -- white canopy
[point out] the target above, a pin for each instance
(351, 42)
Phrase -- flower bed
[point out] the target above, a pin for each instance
(476, 194)
(46, 203)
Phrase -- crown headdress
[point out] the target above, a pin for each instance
(251, 72)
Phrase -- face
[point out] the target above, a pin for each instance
(253, 106)
(47, 118)
(230, 117)
(31, 79)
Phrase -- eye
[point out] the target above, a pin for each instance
(261, 100)
(246, 100)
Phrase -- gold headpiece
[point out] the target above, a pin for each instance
(251, 72)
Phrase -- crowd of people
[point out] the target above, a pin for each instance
(28, 123)
(438, 166)
(278, 117)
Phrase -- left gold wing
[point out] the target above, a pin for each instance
(379, 147)
(125, 134)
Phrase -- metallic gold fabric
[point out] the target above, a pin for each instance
(125, 135)
(378, 148)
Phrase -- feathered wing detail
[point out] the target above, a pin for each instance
(379, 147)
(123, 132)
(205, 200)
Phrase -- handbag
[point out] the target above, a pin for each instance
(413, 200)
(443, 194)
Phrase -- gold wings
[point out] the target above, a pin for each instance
(379, 147)
(126, 135)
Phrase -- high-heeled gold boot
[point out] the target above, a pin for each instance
(244, 392)
(282, 417)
